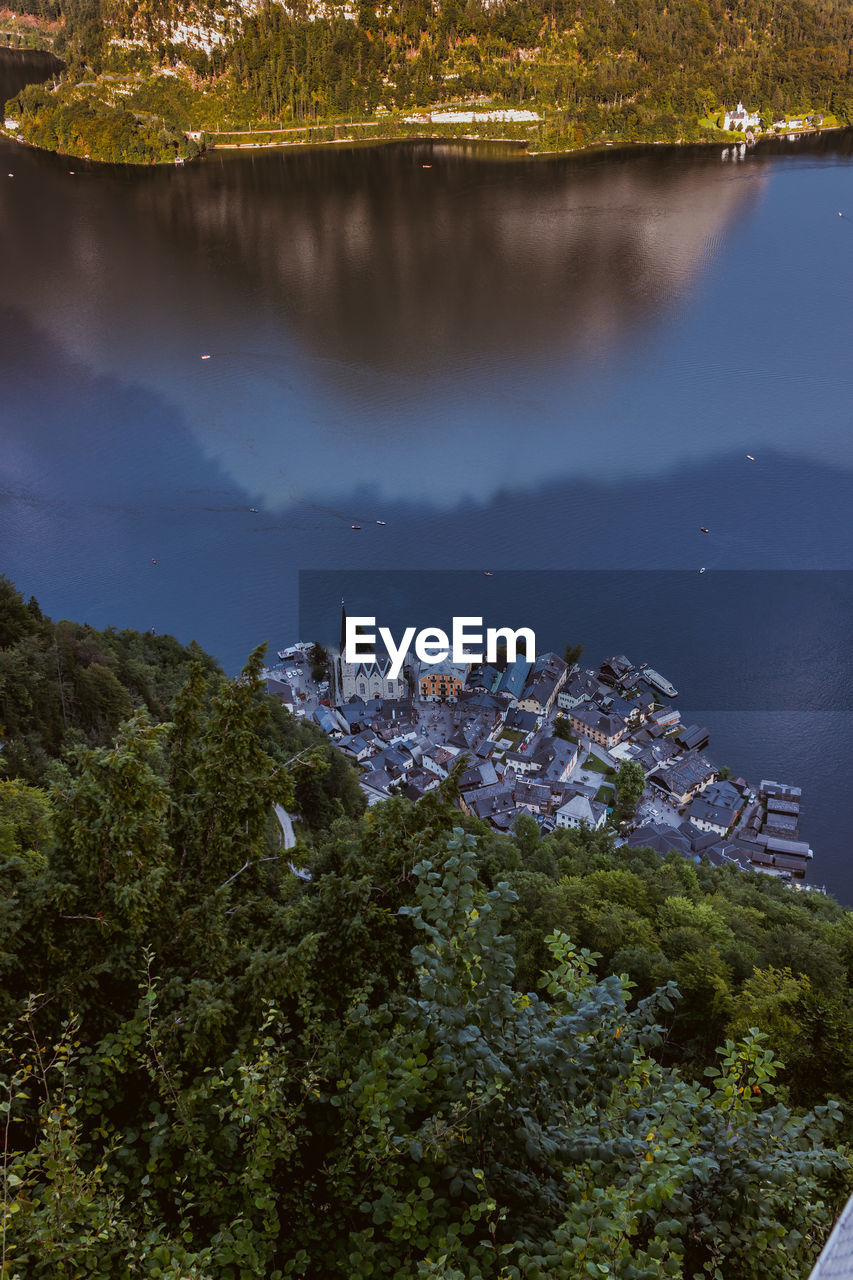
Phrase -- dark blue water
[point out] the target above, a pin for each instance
(526, 366)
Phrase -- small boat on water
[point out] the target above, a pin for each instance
(703, 529)
(750, 458)
(382, 522)
(659, 682)
(254, 510)
(487, 573)
(205, 357)
(355, 526)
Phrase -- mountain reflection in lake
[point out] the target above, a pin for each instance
(375, 260)
(355, 301)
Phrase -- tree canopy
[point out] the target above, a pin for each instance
(648, 70)
(448, 1053)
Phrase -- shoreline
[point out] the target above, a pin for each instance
(522, 144)
(553, 134)
(476, 141)
(419, 128)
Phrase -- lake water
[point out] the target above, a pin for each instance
(535, 367)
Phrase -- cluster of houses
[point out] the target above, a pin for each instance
(743, 121)
(547, 739)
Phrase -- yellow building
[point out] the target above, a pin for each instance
(441, 682)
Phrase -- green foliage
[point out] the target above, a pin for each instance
(443, 1125)
(83, 125)
(563, 729)
(593, 71)
(630, 784)
(62, 683)
(450, 1053)
(744, 950)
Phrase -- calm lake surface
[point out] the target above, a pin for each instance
(537, 367)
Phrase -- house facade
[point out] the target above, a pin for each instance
(371, 680)
(581, 811)
(607, 729)
(441, 682)
(544, 683)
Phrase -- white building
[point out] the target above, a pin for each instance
(367, 679)
(580, 811)
(371, 680)
(741, 119)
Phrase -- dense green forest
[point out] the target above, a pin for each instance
(591, 69)
(98, 130)
(64, 685)
(447, 1054)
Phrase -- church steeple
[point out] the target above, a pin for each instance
(343, 626)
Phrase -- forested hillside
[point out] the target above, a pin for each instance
(589, 70)
(449, 1053)
(64, 685)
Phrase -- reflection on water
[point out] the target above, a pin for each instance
(360, 309)
(372, 258)
(20, 67)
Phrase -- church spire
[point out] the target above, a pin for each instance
(343, 626)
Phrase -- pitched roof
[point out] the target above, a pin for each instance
(514, 677)
(693, 736)
(598, 721)
(660, 837)
(583, 684)
(554, 754)
(684, 774)
(721, 815)
(582, 809)
(524, 720)
(280, 689)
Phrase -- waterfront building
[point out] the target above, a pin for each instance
(741, 119)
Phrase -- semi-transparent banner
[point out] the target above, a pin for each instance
(739, 640)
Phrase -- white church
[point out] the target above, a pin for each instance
(368, 679)
(741, 119)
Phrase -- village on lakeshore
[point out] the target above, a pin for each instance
(551, 739)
